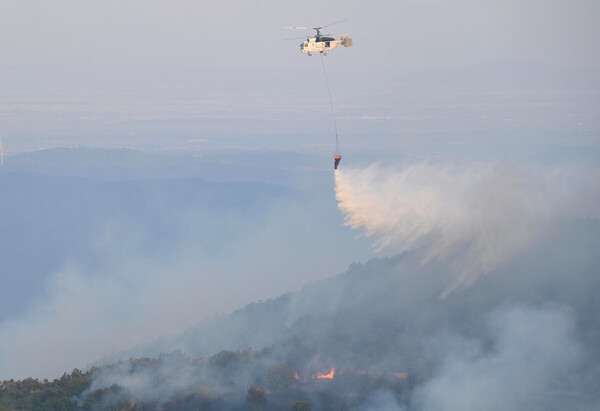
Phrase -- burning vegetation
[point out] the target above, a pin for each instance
(225, 381)
(328, 376)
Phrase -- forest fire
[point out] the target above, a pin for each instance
(321, 376)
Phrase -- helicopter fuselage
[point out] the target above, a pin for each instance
(323, 44)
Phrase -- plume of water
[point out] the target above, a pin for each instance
(475, 218)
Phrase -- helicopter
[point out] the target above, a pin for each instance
(321, 43)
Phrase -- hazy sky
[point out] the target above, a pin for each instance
(248, 35)
(117, 73)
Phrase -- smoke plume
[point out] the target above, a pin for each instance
(473, 219)
(533, 354)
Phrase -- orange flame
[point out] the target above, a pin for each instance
(322, 376)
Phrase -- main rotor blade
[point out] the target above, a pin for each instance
(296, 27)
(331, 24)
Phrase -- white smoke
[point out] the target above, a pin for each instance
(474, 219)
(533, 351)
(168, 376)
(382, 401)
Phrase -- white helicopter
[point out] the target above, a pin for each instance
(321, 43)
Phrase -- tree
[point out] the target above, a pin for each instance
(281, 377)
(257, 397)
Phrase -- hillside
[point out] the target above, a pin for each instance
(390, 339)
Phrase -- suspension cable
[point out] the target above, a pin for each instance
(337, 141)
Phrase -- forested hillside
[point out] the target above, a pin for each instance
(380, 332)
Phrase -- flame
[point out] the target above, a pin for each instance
(321, 376)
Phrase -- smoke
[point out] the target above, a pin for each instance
(533, 355)
(526, 331)
(167, 377)
(91, 313)
(523, 337)
(382, 401)
(474, 219)
(163, 265)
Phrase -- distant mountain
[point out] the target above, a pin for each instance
(125, 164)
